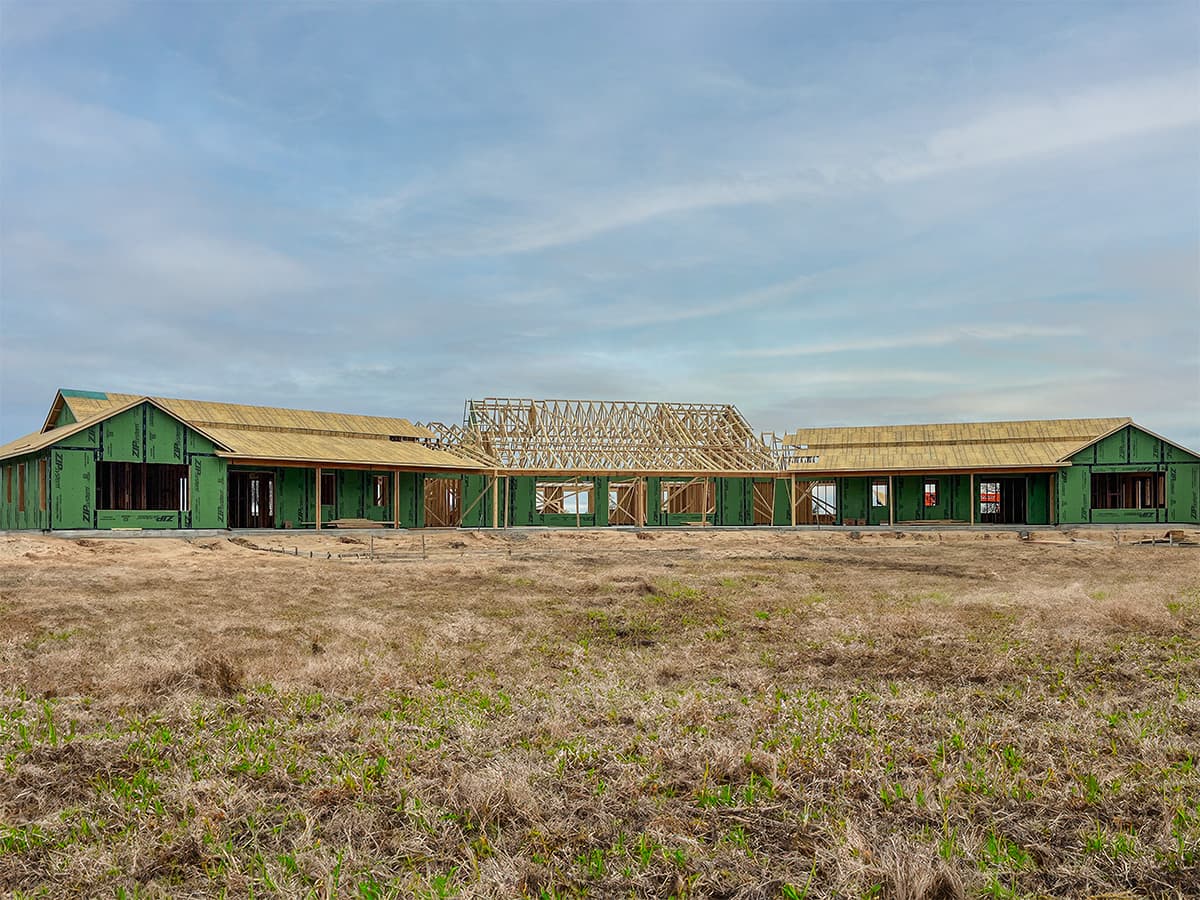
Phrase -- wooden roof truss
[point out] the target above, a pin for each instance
(607, 436)
(456, 439)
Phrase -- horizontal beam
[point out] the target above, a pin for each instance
(338, 464)
(882, 473)
(618, 474)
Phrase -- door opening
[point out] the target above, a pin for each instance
(763, 503)
(251, 500)
(1002, 501)
(816, 503)
(443, 507)
(623, 502)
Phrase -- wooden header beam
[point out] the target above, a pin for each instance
(267, 462)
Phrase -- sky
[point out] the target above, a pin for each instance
(827, 214)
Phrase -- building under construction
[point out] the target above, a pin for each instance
(108, 461)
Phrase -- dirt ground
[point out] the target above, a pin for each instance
(602, 714)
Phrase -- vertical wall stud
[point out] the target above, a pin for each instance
(318, 498)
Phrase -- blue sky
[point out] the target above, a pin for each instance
(849, 213)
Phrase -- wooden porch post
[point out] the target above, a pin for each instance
(891, 504)
(973, 496)
(495, 498)
(318, 498)
(396, 499)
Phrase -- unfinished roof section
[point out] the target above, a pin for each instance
(274, 434)
(980, 446)
(593, 436)
(205, 413)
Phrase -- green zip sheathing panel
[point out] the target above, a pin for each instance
(147, 434)
(350, 496)
(88, 439)
(410, 494)
(1130, 450)
(140, 518)
(855, 495)
(73, 488)
(293, 496)
(783, 512)
(476, 502)
(208, 486)
(1037, 499)
(734, 501)
(86, 395)
(165, 437)
(123, 436)
(25, 469)
(1183, 493)
(521, 501)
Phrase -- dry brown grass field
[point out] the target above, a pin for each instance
(775, 715)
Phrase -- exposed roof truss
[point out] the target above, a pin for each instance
(608, 436)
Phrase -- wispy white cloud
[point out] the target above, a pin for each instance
(1025, 128)
(25, 23)
(1013, 130)
(57, 124)
(155, 269)
(938, 337)
(644, 313)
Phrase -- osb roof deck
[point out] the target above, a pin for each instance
(1025, 444)
(259, 418)
(597, 436)
(269, 434)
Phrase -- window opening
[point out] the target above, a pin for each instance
(565, 497)
(688, 498)
(931, 493)
(824, 499)
(1129, 490)
(139, 486)
(816, 502)
(989, 499)
(879, 494)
